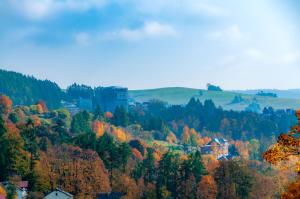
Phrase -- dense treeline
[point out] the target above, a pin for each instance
(89, 153)
(207, 118)
(26, 90)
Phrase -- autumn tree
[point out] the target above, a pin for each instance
(98, 128)
(13, 158)
(233, 180)
(80, 172)
(286, 147)
(5, 104)
(207, 188)
(30, 145)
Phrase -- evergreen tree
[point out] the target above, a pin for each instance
(120, 117)
(82, 122)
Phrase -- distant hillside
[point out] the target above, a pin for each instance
(26, 90)
(290, 93)
(178, 95)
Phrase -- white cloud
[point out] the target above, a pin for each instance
(82, 38)
(253, 53)
(291, 57)
(232, 33)
(148, 30)
(187, 7)
(40, 9)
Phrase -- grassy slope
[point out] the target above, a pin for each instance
(178, 95)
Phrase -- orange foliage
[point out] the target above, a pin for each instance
(242, 149)
(5, 104)
(125, 184)
(2, 191)
(287, 146)
(108, 115)
(98, 128)
(137, 154)
(36, 121)
(211, 163)
(207, 188)
(157, 156)
(43, 106)
(293, 191)
(119, 134)
(204, 141)
(264, 186)
(80, 172)
(186, 135)
(171, 138)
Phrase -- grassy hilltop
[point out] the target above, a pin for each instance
(180, 95)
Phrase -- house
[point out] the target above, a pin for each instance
(71, 107)
(21, 188)
(59, 194)
(111, 195)
(217, 146)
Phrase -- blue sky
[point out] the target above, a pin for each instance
(153, 43)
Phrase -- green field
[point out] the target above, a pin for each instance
(179, 95)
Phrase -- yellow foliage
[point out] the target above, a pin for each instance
(98, 128)
(157, 156)
(119, 134)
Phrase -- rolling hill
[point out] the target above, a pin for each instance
(180, 95)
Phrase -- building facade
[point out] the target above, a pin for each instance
(218, 147)
(109, 98)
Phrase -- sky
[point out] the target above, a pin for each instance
(140, 44)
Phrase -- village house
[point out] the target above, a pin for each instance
(218, 147)
(59, 194)
(21, 188)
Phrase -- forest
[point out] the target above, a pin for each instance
(137, 151)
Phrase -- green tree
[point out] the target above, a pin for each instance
(149, 167)
(82, 122)
(120, 117)
(233, 180)
(168, 175)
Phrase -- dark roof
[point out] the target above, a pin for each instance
(111, 195)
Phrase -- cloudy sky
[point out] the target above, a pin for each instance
(154, 43)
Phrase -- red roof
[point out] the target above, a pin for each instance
(23, 184)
